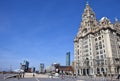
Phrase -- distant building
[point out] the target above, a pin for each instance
(26, 63)
(50, 69)
(25, 66)
(29, 70)
(66, 70)
(68, 59)
(22, 66)
(33, 69)
(56, 65)
(42, 68)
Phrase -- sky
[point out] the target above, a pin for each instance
(42, 31)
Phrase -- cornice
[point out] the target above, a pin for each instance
(93, 32)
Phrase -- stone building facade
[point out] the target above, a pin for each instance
(97, 45)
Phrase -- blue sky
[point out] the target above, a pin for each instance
(42, 31)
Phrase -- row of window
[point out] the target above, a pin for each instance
(100, 42)
(99, 38)
(99, 47)
(99, 33)
(100, 52)
(101, 56)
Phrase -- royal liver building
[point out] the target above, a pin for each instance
(97, 45)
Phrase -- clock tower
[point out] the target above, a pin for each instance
(89, 22)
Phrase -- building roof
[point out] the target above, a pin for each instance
(66, 68)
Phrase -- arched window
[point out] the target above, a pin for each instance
(99, 38)
(95, 39)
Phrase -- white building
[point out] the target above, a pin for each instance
(96, 45)
(42, 66)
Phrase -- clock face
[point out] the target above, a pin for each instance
(85, 17)
(91, 16)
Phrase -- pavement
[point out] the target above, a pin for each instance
(46, 77)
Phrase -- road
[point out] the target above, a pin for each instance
(47, 78)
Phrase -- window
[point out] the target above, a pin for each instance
(96, 47)
(103, 41)
(102, 36)
(105, 56)
(78, 51)
(96, 44)
(90, 44)
(97, 57)
(95, 39)
(100, 43)
(90, 48)
(97, 53)
(103, 45)
(99, 38)
(98, 33)
(101, 56)
(86, 46)
(100, 46)
(89, 39)
(91, 63)
(104, 51)
(90, 53)
(101, 52)
(105, 62)
(98, 63)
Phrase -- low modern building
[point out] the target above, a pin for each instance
(67, 70)
(97, 45)
(42, 66)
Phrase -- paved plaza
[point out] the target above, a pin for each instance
(41, 77)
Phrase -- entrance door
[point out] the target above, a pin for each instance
(87, 71)
(84, 73)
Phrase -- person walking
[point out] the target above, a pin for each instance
(23, 74)
(62, 76)
(33, 75)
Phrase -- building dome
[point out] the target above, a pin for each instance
(103, 18)
(105, 21)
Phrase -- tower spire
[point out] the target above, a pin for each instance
(87, 3)
(89, 21)
(88, 11)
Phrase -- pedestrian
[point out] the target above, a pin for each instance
(23, 74)
(18, 76)
(33, 75)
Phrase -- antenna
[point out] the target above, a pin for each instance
(87, 2)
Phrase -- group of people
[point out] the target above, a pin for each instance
(21, 75)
